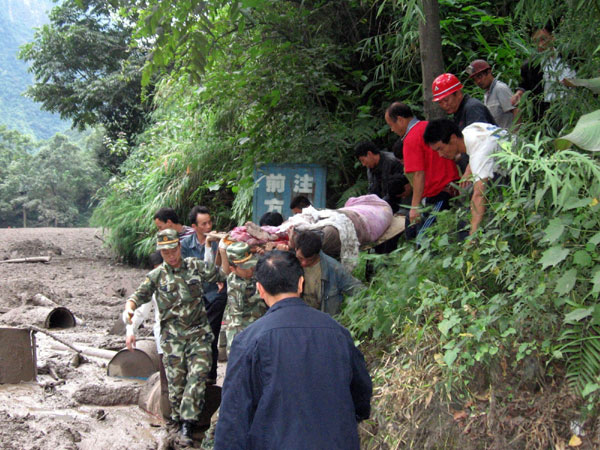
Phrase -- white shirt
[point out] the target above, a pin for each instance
(482, 141)
(142, 313)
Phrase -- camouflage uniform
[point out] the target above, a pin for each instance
(244, 305)
(185, 333)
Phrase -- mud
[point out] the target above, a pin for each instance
(85, 278)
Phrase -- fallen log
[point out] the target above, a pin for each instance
(33, 259)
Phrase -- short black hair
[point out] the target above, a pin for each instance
(165, 214)
(398, 149)
(195, 211)
(278, 272)
(309, 242)
(271, 218)
(398, 109)
(156, 258)
(300, 201)
(363, 148)
(440, 130)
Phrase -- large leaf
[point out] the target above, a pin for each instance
(593, 84)
(578, 314)
(553, 256)
(566, 282)
(585, 135)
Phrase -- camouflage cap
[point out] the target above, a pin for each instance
(166, 239)
(239, 253)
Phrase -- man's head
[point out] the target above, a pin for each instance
(445, 138)
(543, 38)
(447, 92)
(241, 260)
(271, 218)
(278, 275)
(368, 154)
(200, 220)
(167, 243)
(307, 245)
(481, 73)
(398, 116)
(298, 203)
(166, 218)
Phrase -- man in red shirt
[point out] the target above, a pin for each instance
(431, 174)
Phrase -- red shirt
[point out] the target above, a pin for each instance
(420, 156)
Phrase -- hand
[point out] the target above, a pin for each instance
(514, 100)
(465, 183)
(221, 286)
(130, 342)
(283, 247)
(414, 215)
(128, 313)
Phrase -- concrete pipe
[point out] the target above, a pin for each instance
(140, 363)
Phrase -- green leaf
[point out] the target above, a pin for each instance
(595, 239)
(553, 256)
(582, 258)
(450, 356)
(596, 281)
(566, 282)
(553, 231)
(589, 388)
(593, 84)
(585, 135)
(446, 324)
(577, 314)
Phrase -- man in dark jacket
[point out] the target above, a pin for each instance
(385, 174)
(294, 378)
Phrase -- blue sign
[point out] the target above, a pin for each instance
(277, 184)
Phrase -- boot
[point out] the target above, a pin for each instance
(186, 433)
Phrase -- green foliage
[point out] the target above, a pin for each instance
(86, 70)
(526, 285)
(47, 183)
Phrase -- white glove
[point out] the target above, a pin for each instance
(128, 313)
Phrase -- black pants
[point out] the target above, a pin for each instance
(214, 312)
(439, 202)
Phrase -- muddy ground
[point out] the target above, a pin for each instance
(84, 277)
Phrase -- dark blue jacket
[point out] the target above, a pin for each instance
(294, 380)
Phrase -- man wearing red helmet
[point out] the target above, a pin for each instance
(497, 94)
(447, 92)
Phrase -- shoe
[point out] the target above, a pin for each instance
(185, 433)
(172, 425)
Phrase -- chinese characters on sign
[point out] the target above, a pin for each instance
(277, 184)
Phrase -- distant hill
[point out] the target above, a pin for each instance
(18, 18)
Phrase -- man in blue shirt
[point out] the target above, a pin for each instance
(294, 378)
(215, 297)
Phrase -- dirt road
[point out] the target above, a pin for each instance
(83, 277)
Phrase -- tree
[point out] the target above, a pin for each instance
(86, 70)
(432, 61)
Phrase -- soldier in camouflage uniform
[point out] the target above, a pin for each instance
(185, 333)
(244, 305)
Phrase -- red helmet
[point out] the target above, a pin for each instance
(477, 66)
(444, 85)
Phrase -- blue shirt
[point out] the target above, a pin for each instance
(191, 247)
(294, 380)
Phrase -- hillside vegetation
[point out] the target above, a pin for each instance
(489, 343)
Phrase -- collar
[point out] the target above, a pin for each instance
(171, 270)
(411, 124)
(492, 86)
(289, 301)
